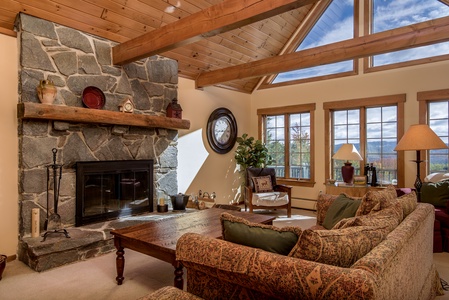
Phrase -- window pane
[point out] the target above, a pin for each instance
(296, 145)
(393, 14)
(335, 24)
(438, 112)
(381, 138)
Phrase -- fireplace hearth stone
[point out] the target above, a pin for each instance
(86, 242)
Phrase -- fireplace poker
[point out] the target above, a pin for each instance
(54, 220)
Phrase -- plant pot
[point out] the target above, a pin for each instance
(46, 91)
(2, 264)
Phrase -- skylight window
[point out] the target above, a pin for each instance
(393, 14)
(335, 24)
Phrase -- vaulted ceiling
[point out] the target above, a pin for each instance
(227, 43)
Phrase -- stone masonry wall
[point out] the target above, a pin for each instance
(74, 60)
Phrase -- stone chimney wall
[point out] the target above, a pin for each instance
(73, 60)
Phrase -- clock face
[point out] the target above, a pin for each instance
(128, 106)
(221, 130)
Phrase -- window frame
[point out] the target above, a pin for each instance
(262, 113)
(363, 103)
(423, 99)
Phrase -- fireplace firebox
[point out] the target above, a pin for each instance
(111, 189)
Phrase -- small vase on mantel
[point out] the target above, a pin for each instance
(46, 91)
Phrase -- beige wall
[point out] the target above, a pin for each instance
(199, 167)
(9, 157)
(407, 81)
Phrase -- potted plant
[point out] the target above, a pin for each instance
(251, 153)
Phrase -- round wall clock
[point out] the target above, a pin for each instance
(221, 130)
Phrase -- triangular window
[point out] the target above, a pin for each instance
(387, 15)
(335, 24)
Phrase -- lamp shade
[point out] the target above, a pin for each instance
(347, 152)
(420, 137)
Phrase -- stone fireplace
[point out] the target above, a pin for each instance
(73, 60)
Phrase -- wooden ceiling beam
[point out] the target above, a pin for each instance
(411, 36)
(219, 18)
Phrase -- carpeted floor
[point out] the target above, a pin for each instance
(95, 278)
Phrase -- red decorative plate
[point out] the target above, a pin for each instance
(93, 97)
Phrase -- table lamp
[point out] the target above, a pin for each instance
(347, 152)
(419, 137)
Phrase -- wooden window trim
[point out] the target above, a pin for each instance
(292, 109)
(328, 107)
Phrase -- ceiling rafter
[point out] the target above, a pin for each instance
(219, 18)
(415, 35)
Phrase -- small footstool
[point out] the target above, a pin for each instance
(170, 293)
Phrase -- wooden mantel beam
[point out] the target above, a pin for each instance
(219, 18)
(415, 35)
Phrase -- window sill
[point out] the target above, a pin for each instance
(295, 182)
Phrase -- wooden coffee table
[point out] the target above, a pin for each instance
(158, 238)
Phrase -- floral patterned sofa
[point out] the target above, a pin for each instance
(394, 261)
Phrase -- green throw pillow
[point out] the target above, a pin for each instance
(343, 207)
(436, 193)
(266, 237)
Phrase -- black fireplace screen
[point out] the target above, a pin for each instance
(110, 189)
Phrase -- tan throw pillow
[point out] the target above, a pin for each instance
(375, 200)
(263, 184)
(342, 247)
(408, 203)
(386, 219)
(266, 237)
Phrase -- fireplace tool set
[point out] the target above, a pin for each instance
(53, 222)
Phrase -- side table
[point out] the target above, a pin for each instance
(350, 190)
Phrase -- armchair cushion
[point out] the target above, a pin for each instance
(270, 199)
(435, 193)
(266, 237)
(263, 184)
(343, 207)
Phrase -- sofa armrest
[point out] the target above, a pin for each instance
(283, 188)
(270, 274)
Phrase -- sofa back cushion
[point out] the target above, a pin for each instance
(342, 247)
(375, 200)
(408, 202)
(342, 207)
(385, 220)
(266, 237)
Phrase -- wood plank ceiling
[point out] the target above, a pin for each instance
(123, 20)
(226, 55)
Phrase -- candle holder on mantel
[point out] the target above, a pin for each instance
(162, 206)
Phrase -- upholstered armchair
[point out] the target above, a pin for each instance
(262, 191)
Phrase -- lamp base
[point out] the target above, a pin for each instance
(347, 172)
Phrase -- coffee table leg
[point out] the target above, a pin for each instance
(120, 264)
(179, 281)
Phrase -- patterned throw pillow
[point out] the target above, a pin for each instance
(263, 184)
(408, 203)
(375, 200)
(341, 247)
(266, 237)
(322, 205)
(385, 220)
